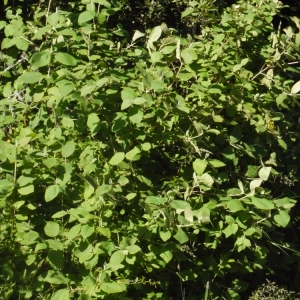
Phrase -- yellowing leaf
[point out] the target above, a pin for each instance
(296, 88)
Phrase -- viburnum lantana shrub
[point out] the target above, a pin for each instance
(146, 166)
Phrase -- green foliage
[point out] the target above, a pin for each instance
(271, 291)
(146, 165)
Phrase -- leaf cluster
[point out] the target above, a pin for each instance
(142, 165)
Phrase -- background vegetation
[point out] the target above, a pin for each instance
(149, 150)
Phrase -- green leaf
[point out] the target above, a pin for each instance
(199, 166)
(187, 12)
(40, 59)
(262, 203)
(155, 200)
(24, 180)
(117, 257)
(234, 205)
(103, 189)
(218, 119)
(285, 203)
(206, 180)
(230, 229)
(68, 149)
(50, 162)
(112, 287)
(188, 214)
(280, 99)
(26, 190)
(165, 235)
(146, 146)
(86, 16)
(62, 294)
(87, 230)
(135, 115)
(157, 85)
(219, 38)
(55, 277)
(51, 192)
(30, 237)
(139, 101)
(181, 236)
(128, 95)
(156, 57)
(216, 163)
(87, 89)
(31, 77)
(282, 218)
(117, 158)
(282, 143)
(65, 59)
(189, 55)
(55, 245)
(132, 153)
(133, 249)
(203, 215)
(166, 256)
(51, 229)
(93, 123)
(179, 204)
(59, 214)
(74, 231)
(154, 36)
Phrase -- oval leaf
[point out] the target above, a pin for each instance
(86, 16)
(117, 158)
(51, 229)
(199, 166)
(282, 218)
(51, 192)
(40, 59)
(68, 149)
(65, 59)
(31, 77)
(296, 88)
(262, 203)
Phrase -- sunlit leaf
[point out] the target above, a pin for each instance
(31, 77)
(262, 203)
(51, 229)
(52, 192)
(199, 166)
(117, 158)
(282, 218)
(65, 59)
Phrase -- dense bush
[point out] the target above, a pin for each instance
(142, 165)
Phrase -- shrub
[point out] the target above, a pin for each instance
(143, 165)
